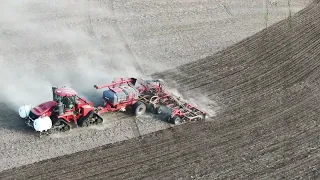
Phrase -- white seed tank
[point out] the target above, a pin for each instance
(42, 124)
(24, 111)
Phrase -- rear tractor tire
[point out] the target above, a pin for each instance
(139, 108)
(84, 120)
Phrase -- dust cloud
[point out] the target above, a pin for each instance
(19, 88)
(38, 52)
(196, 99)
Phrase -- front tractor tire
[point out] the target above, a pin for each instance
(60, 126)
(139, 108)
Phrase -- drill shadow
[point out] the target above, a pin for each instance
(164, 116)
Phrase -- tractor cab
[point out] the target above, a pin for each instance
(65, 97)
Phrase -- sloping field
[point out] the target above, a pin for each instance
(267, 128)
(86, 42)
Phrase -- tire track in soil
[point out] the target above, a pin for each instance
(268, 129)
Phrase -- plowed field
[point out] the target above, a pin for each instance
(267, 127)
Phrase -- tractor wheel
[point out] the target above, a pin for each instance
(160, 110)
(51, 131)
(153, 109)
(99, 120)
(139, 108)
(84, 121)
(63, 126)
(150, 108)
(176, 120)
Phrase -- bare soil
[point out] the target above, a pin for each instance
(267, 128)
(82, 43)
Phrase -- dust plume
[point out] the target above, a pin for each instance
(56, 43)
(196, 99)
(17, 88)
(202, 102)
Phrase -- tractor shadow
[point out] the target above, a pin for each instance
(10, 120)
(149, 113)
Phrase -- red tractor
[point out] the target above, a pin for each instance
(67, 110)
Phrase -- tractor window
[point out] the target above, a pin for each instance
(73, 99)
(69, 102)
(56, 97)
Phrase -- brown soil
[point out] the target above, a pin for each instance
(267, 128)
(85, 42)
